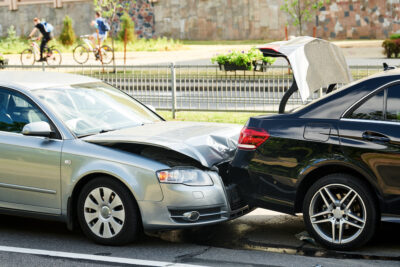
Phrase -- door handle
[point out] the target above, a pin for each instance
(375, 137)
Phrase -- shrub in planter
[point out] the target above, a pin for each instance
(391, 47)
(242, 61)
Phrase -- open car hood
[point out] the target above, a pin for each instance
(207, 143)
(315, 63)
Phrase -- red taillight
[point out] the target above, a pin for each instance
(251, 138)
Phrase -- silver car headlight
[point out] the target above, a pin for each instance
(186, 176)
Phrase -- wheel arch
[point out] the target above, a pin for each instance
(323, 170)
(72, 216)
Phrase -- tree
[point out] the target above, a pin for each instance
(109, 9)
(301, 11)
(67, 36)
(128, 25)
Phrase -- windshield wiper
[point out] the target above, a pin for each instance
(100, 132)
(106, 130)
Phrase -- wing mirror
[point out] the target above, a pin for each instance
(39, 128)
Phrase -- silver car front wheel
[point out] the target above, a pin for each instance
(107, 212)
(104, 212)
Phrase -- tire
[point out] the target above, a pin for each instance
(354, 212)
(81, 54)
(107, 54)
(55, 57)
(27, 57)
(115, 221)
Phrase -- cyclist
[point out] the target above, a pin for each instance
(45, 29)
(103, 27)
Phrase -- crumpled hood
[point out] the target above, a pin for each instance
(208, 143)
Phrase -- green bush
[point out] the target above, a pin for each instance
(67, 36)
(394, 36)
(128, 25)
(391, 48)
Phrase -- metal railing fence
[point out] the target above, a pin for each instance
(199, 87)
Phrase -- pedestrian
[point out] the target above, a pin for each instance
(45, 29)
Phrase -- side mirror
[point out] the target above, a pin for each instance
(151, 108)
(39, 128)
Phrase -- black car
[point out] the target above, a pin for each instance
(336, 160)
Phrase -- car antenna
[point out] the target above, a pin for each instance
(387, 67)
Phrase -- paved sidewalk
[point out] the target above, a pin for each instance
(356, 53)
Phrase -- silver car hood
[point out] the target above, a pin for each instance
(207, 143)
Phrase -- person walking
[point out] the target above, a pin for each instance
(45, 29)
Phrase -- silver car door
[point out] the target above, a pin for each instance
(29, 165)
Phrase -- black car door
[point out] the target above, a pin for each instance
(370, 137)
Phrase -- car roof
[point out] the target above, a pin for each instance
(31, 80)
(334, 104)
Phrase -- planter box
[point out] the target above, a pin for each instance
(261, 66)
(232, 67)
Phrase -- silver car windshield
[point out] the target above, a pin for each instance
(94, 108)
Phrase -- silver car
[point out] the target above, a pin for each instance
(75, 149)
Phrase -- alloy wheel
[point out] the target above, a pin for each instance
(337, 213)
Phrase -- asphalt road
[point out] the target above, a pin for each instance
(29, 242)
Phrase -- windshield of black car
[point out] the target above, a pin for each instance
(95, 107)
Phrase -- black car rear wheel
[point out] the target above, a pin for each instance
(339, 212)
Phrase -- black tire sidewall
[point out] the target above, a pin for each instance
(130, 229)
(366, 195)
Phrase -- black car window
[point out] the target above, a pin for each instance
(372, 109)
(393, 103)
(16, 111)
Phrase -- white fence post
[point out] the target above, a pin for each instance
(173, 90)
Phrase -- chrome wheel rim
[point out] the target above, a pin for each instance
(104, 212)
(337, 213)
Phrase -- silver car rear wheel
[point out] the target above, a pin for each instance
(104, 212)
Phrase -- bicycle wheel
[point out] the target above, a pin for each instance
(54, 57)
(107, 54)
(81, 54)
(27, 57)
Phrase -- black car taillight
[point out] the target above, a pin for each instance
(251, 138)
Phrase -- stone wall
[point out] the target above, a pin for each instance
(359, 19)
(22, 19)
(263, 19)
(142, 13)
(221, 19)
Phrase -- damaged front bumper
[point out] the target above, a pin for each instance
(189, 206)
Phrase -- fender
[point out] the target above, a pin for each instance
(338, 163)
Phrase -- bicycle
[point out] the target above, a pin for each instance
(82, 51)
(31, 55)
